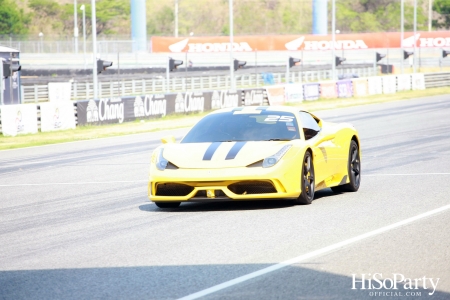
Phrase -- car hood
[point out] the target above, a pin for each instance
(220, 154)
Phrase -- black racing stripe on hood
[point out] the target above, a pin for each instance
(235, 150)
(211, 150)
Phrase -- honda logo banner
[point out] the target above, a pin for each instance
(436, 39)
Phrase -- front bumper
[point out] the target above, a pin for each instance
(214, 184)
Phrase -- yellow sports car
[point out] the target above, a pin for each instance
(255, 153)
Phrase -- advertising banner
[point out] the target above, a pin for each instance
(344, 88)
(293, 93)
(375, 85)
(360, 87)
(223, 99)
(57, 116)
(19, 119)
(119, 110)
(254, 97)
(59, 91)
(403, 82)
(389, 84)
(328, 90)
(418, 81)
(311, 91)
(275, 95)
(210, 44)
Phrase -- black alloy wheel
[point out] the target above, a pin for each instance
(354, 171)
(167, 204)
(307, 181)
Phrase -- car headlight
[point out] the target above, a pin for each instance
(272, 160)
(159, 160)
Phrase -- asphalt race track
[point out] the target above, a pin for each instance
(75, 222)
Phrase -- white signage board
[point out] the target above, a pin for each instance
(293, 93)
(418, 81)
(59, 91)
(57, 116)
(403, 82)
(389, 84)
(19, 119)
(375, 85)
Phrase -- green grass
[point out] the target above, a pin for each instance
(180, 121)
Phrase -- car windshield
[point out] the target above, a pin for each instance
(259, 125)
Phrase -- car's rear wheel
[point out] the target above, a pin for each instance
(307, 181)
(167, 204)
(354, 171)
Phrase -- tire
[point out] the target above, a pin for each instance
(354, 171)
(167, 204)
(307, 182)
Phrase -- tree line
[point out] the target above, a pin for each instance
(210, 17)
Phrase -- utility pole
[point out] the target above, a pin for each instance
(333, 39)
(232, 83)
(430, 13)
(415, 29)
(94, 49)
(401, 32)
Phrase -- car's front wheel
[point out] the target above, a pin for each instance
(167, 204)
(307, 182)
(354, 171)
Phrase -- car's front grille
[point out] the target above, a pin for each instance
(202, 194)
(173, 189)
(252, 187)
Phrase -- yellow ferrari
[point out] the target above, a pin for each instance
(255, 153)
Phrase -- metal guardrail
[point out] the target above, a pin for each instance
(437, 79)
(117, 88)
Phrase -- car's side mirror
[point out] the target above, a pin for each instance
(170, 139)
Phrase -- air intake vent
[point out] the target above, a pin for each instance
(173, 189)
(252, 187)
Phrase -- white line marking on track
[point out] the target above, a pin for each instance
(71, 183)
(309, 255)
(405, 174)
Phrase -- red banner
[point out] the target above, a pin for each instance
(212, 44)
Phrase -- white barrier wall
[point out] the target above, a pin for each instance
(57, 116)
(418, 81)
(403, 82)
(389, 84)
(375, 85)
(19, 119)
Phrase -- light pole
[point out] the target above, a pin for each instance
(401, 32)
(75, 25)
(333, 39)
(41, 35)
(83, 8)
(94, 49)
(232, 83)
(415, 29)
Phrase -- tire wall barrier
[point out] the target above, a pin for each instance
(59, 115)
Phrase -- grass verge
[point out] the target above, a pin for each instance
(180, 121)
